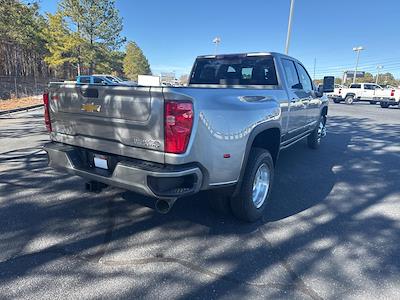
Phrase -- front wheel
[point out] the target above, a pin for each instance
(255, 191)
(314, 139)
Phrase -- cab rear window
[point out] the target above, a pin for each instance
(234, 70)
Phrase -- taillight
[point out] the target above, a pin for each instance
(47, 111)
(178, 121)
(392, 93)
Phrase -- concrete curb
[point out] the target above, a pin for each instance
(4, 112)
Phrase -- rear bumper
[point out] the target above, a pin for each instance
(335, 97)
(155, 180)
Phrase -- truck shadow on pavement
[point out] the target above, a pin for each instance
(331, 221)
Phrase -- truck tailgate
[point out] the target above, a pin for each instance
(121, 120)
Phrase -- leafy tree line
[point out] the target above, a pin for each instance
(82, 37)
(22, 43)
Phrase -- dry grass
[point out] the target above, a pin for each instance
(21, 102)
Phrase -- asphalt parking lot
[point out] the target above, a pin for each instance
(332, 229)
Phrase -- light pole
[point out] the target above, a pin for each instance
(377, 75)
(289, 30)
(315, 63)
(357, 49)
(216, 41)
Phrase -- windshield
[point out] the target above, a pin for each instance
(234, 70)
(114, 79)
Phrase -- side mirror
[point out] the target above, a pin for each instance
(328, 84)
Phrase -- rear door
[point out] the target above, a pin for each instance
(116, 117)
(298, 100)
(368, 91)
(355, 89)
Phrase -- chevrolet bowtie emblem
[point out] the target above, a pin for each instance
(90, 107)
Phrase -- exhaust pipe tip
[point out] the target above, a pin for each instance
(163, 206)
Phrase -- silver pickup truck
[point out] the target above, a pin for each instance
(222, 133)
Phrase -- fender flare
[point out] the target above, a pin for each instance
(350, 94)
(252, 136)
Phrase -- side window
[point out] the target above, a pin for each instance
(247, 73)
(97, 80)
(84, 79)
(305, 79)
(291, 74)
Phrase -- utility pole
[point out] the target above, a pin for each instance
(289, 30)
(357, 49)
(377, 75)
(216, 41)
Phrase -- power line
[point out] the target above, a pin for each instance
(394, 66)
(382, 62)
(368, 61)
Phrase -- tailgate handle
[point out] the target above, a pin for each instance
(90, 93)
(255, 98)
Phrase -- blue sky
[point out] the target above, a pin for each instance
(172, 33)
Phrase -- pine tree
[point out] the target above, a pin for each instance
(98, 24)
(22, 44)
(61, 43)
(135, 62)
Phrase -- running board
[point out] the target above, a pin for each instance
(294, 140)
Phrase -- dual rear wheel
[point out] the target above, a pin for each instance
(249, 203)
(255, 191)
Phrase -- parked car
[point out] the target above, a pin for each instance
(222, 134)
(370, 92)
(92, 79)
(109, 77)
(103, 79)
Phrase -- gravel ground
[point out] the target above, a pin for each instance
(331, 230)
(20, 102)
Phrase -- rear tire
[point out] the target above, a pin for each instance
(384, 104)
(314, 139)
(349, 100)
(256, 187)
(336, 100)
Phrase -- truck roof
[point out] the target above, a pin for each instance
(260, 53)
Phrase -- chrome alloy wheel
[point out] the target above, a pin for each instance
(321, 132)
(261, 185)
